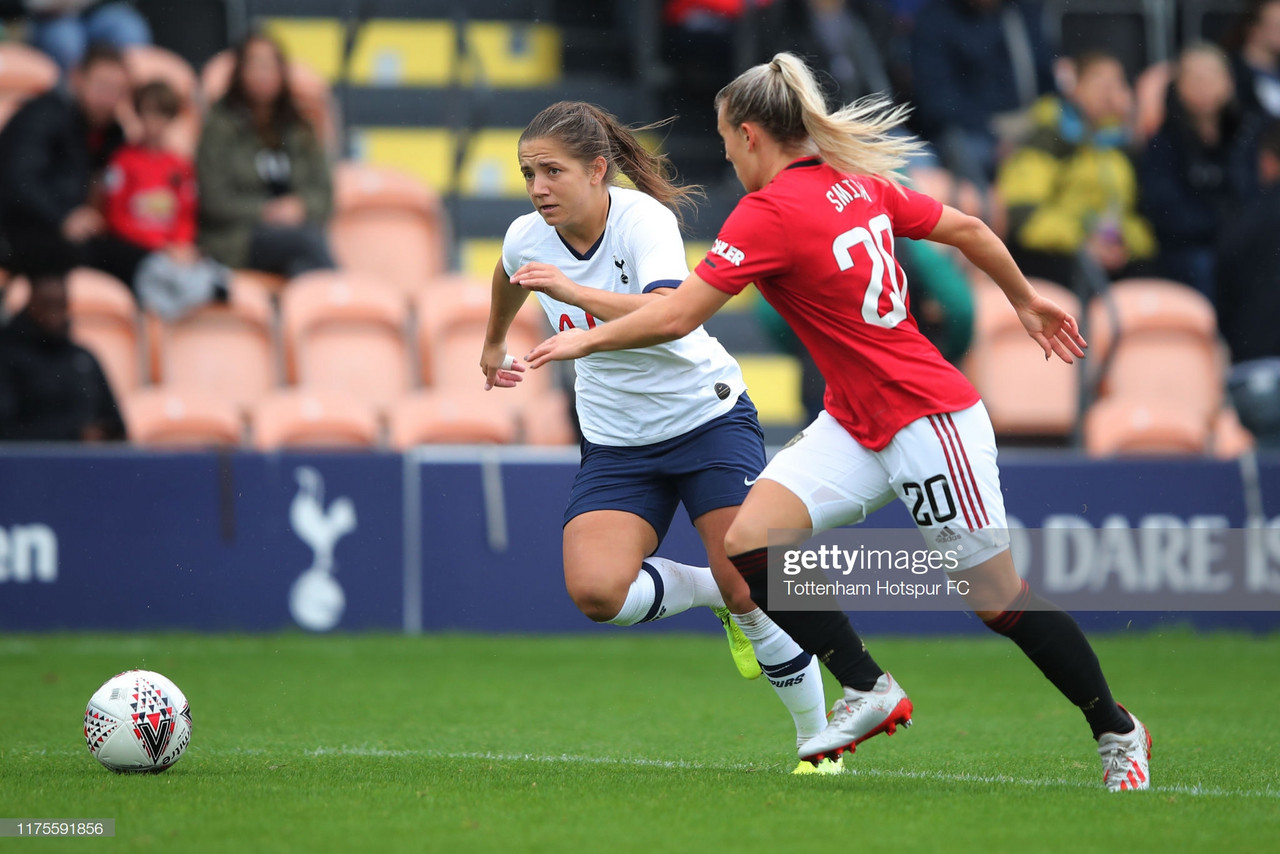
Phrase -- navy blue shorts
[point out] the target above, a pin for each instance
(707, 468)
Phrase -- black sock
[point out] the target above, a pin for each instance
(1052, 639)
(826, 634)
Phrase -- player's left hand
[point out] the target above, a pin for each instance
(1053, 329)
(566, 345)
(500, 370)
(546, 279)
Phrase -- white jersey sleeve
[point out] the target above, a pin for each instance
(653, 242)
(647, 395)
(517, 238)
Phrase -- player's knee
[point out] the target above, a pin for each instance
(740, 539)
(990, 587)
(597, 604)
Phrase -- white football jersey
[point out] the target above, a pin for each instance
(631, 397)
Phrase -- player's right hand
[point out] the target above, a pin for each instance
(1053, 329)
(500, 370)
(82, 223)
(559, 347)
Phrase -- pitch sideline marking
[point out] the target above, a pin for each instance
(693, 765)
(681, 764)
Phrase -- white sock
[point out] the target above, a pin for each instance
(664, 587)
(794, 674)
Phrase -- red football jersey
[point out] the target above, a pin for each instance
(151, 197)
(819, 246)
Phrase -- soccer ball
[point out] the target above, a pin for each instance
(137, 721)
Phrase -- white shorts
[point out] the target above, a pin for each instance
(942, 467)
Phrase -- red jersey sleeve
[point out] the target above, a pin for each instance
(914, 215)
(751, 246)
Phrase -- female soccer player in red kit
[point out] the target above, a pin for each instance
(815, 233)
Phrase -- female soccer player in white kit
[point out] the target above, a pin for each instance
(815, 233)
(663, 424)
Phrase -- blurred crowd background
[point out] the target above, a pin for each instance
(273, 223)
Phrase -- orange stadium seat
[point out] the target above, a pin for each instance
(222, 350)
(455, 295)
(272, 283)
(300, 418)
(1230, 438)
(387, 224)
(1166, 347)
(147, 63)
(467, 418)
(346, 333)
(1119, 426)
(104, 318)
(447, 282)
(545, 417)
(312, 93)
(167, 417)
(1025, 395)
(452, 317)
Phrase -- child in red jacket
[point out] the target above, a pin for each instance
(150, 191)
(150, 201)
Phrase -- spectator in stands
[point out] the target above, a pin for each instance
(52, 153)
(1196, 166)
(64, 29)
(52, 389)
(851, 40)
(1256, 58)
(703, 41)
(904, 10)
(150, 192)
(150, 203)
(264, 182)
(1248, 299)
(699, 41)
(1071, 186)
(976, 64)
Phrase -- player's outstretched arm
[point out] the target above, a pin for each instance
(602, 305)
(659, 321)
(1045, 321)
(504, 304)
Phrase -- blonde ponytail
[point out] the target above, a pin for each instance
(783, 97)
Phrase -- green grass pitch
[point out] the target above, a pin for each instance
(634, 741)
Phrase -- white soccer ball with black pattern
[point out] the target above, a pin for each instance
(138, 721)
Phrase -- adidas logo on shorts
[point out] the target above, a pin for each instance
(946, 535)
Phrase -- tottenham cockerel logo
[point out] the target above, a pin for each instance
(153, 717)
(316, 599)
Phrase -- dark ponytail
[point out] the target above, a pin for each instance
(588, 132)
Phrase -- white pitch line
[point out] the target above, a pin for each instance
(1197, 790)
(891, 773)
